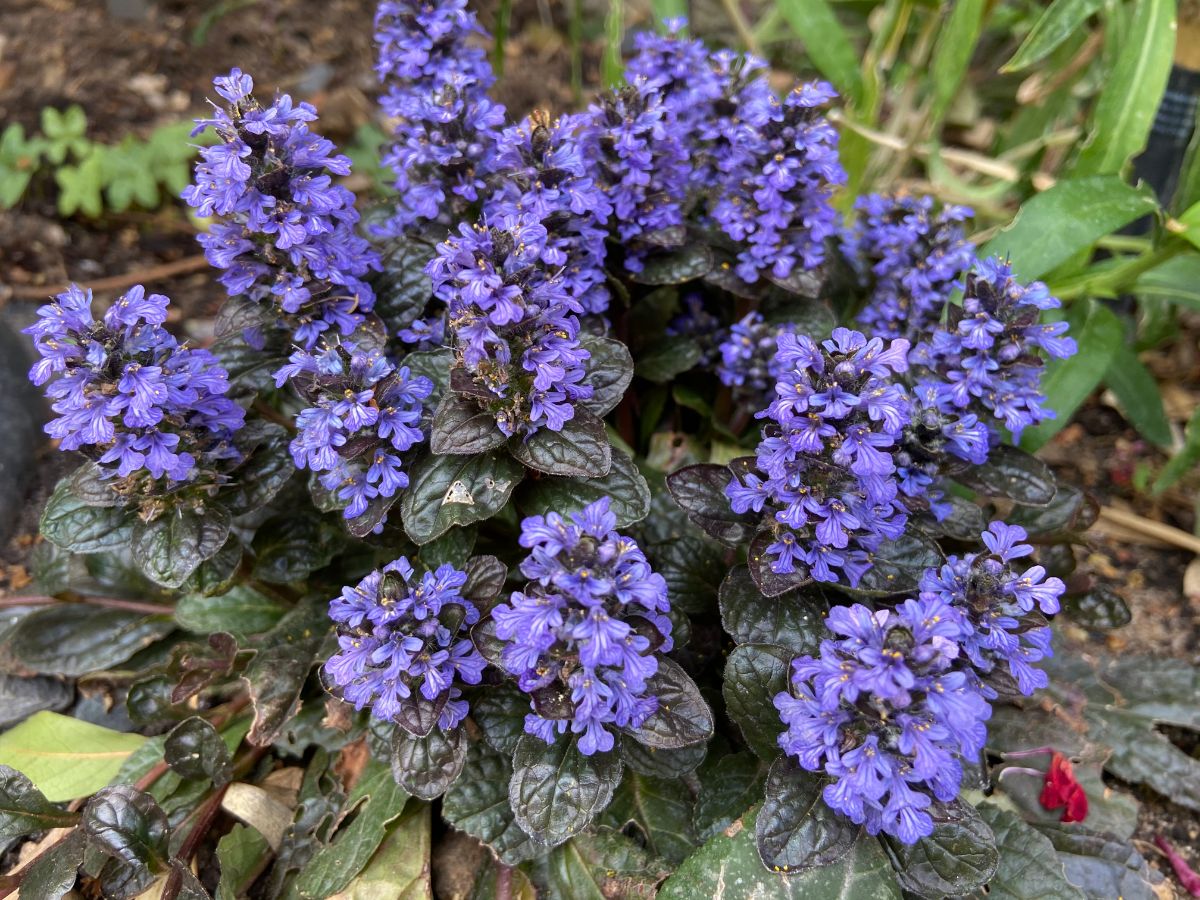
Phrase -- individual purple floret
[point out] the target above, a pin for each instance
(287, 235)
(1005, 607)
(404, 641)
(437, 84)
(640, 161)
(912, 258)
(582, 636)
(749, 362)
(364, 414)
(513, 325)
(987, 353)
(543, 175)
(885, 715)
(128, 395)
(775, 196)
(825, 471)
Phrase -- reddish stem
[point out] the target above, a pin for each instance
(151, 609)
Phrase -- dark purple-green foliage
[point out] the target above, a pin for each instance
(673, 524)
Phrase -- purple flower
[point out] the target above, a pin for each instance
(402, 639)
(989, 353)
(748, 359)
(825, 469)
(1005, 606)
(912, 259)
(364, 414)
(287, 235)
(437, 83)
(129, 396)
(884, 713)
(513, 323)
(582, 635)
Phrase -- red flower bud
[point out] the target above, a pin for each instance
(1062, 790)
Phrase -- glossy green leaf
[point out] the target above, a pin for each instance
(1012, 473)
(1029, 865)
(1138, 394)
(557, 791)
(24, 809)
(609, 371)
(659, 810)
(795, 829)
(445, 491)
(74, 525)
(241, 855)
(52, 874)
(728, 868)
(277, 673)
(676, 266)
(1068, 382)
(794, 620)
(1071, 216)
(693, 567)
(375, 801)
(728, 787)
(654, 762)
(1124, 113)
(170, 548)
(700, 492)
(754, 674)
(624, 485)
(461, 427)
(580, 450)
(682, 718)
(193, 749)
(599, 865)
(291, 546)
(243, 610)
(426, 766)
(897, 566)
(1059, 21)
(669, 357)
(959, 857)
(129, 826)
(1101, 866)
(400, 868)
(477, 803)
(73, 639)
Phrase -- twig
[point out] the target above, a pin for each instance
(152, 609)
(112, 283)
(1169, 534)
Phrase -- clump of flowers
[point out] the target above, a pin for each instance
(288, 232)
(544, 176)
(885, 714)
(402, 639)
(696, 322)
(775, 197)
(987, 353)
(749, 360)
(912, 257)
(365, 413)
(582, 635)
(129, 396)
(641, 163)
(825, 471)
(514, 324)
(1005, 607)
(437, 84)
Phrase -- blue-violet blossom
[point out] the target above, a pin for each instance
(287, 235)
(825, 471)
(128, 395)
(884, 713)
(582, 635)
(404, 639)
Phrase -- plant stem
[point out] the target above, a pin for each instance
(1119, 278)
(152, 609)
(745, 35)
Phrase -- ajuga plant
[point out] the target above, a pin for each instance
(652, 496)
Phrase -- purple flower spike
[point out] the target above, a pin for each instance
(884, 713)
(582, 635)
(825, 467)
(287, 232)
(129, 396)
(402, 639)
